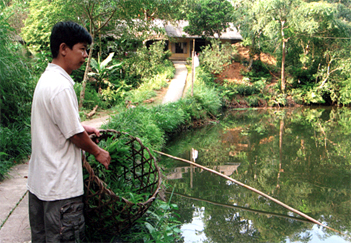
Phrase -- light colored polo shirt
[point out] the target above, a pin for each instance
(55, 167)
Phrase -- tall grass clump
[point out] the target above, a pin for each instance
(14, 146)
(16, 91)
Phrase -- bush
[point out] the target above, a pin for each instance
(16, 89)
(146, 62)
(92, 97)
(15, 145)
(213, 57)
(17, 83)
(345, 92)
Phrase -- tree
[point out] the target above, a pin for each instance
(209, 17)
(249, 25)
(155, 9)
(96, 15)
(277, 17)
(42, 17)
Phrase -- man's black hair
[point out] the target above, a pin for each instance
(69, 33)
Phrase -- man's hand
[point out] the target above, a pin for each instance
(83, 141)
(103, 157)
(90, 130)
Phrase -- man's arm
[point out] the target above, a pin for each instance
(83, 141)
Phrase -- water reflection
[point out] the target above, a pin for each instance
(177, 172)
(300, 157)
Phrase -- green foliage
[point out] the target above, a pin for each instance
(16, 80)
(160, 225)
(213, 57)
(39, 62)
(345, 92)
(147, 89)
(146, 62)
(278, 100)
(207, 98)
(42, 17)
(15, 145)
(92, 97)
(137, 122)
(253, 91)
(209, 17)
(16, 91)
(153, 124)
(100, 68)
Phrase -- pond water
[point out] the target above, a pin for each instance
(299, 156)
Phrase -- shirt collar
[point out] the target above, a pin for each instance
(60, 70)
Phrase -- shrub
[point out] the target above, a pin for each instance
(92, 97)
(213, 57)
(345, 92)
(252, 100)
(15, 145)
(146, 62)
(16, 89)
(17, 83)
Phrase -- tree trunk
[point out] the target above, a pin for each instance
(84, 83)
(283, 58)
(283, 69)
(252, 52)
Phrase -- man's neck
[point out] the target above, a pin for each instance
(59, 62)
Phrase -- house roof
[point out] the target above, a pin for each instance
(176, 30)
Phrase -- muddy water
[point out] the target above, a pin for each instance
(301, 157)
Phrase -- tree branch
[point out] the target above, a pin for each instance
(106, 22)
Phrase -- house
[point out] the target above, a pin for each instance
(181, 44)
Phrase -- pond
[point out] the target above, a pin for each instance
(299, 156)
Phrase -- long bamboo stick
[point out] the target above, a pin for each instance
(252, 189)
(241, 208)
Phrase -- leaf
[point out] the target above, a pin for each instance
(150, 227)
(107, 60)
(113, 66)
(94, 64)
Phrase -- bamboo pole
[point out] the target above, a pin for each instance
(252, 189)
(241, 208)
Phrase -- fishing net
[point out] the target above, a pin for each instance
(117, 197)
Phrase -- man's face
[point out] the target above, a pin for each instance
(76, 57)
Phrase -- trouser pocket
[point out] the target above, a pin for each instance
(72, 222)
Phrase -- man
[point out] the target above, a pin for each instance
(55, 178)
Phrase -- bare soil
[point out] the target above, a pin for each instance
(233, 72)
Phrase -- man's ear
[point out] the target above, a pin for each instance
(63, 49)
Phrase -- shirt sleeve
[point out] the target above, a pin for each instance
(65, 113)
